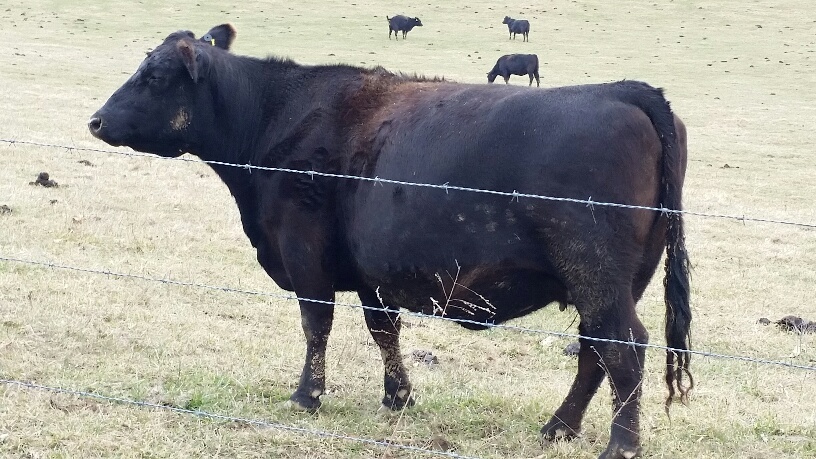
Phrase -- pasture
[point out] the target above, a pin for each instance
(741, 75)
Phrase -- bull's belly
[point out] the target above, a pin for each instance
(478, 261)
(474, 297)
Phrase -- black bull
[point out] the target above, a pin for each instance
(464, 255)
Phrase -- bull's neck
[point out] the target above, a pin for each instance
(249, 96)
(238, 95)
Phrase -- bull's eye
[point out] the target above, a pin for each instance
(155, 80)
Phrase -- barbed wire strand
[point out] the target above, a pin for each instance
(514, 195)
(222, 417)
(408, 313)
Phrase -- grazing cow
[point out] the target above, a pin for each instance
(515, 64)
(515, 26)
(484, 258)
(402, 24)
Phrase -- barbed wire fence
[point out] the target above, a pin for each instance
(514, 195)
(420, 315)
(221, 417)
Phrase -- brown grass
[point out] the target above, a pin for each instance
(745, 92)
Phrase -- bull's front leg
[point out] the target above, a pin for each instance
(316, 319)
(302, 245)
(384, 326)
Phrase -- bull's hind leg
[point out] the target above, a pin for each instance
(384, 326)
(566, 422)
(607, 310)
(622, 363)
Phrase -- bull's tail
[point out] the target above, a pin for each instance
(677, 290)
(676, 280)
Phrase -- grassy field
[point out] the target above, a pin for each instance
(742, 75)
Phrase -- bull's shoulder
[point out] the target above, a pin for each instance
(380, 96)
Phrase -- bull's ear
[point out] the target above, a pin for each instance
(189, 57)
(220, 36)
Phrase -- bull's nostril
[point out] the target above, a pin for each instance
(95, 124)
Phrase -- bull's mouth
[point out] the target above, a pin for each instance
(165, 150)
(168, 149)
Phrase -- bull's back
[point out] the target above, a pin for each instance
(398, 22)
(515, 139)
(522, 64)
(521, 26)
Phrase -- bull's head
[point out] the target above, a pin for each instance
(158, 108)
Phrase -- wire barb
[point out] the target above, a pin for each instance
(591, 206)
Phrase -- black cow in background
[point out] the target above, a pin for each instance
(402, 24)
(515, 26)
(515, 64)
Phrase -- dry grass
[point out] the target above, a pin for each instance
(747, 94)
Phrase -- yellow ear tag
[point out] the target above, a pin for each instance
(212, 41)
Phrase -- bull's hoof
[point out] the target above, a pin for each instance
(620, 452)
(295, 407)
(557, 430)
(299, 402)
(399, 401)
(290, 406)
(385, 412)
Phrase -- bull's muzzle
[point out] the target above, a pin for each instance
(95, 126)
